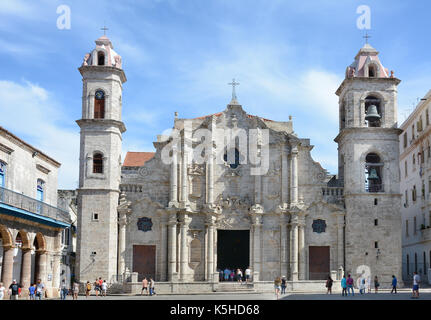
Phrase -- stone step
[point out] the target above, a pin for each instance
(235, 287)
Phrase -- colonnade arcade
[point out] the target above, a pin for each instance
(23, 257)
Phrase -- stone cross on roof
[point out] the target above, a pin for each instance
(104, 30)
(233, 84)
(367, 36)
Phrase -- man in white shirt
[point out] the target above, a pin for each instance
(247, 274)
(416, 281)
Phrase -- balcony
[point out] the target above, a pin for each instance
(19, 205)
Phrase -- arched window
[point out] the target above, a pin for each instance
(372, 71)
(373, 173)
(373, 113)
(100, 58)
(235, 163)
(99, 105)
(98, 163)
(2, 174)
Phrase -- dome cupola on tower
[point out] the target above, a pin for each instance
(367, 64)
(103, 54)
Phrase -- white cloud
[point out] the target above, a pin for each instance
(33, 114)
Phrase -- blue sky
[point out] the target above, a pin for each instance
(179, 55)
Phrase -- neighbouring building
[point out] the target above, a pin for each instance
(415, 166)
(257, 199)
(31, 224)
(68, 199)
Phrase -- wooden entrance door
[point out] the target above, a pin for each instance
(318, 263)
(144, 261)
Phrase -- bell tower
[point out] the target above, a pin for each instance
(99, 162)
(368, 161)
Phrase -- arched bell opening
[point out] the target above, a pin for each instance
(373, 173)
(373, 113)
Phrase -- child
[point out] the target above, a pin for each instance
(32, 291)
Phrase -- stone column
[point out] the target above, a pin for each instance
(301, 251)
(56, 273)
(283, 248)
(340, 241)
(210, 174)
(210, 249)
(257, 227)
(294, 252)
(174, 175)
(172, 247)
(294, 180)
(122, 222)
(184, 194)
(258, 189)
(43, 257)
(163, 250)
(7, 267)
(26, 268)
(284, 175)
(183, 252)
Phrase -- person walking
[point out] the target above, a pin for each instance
(416, 281)
(144, 286)
(87, 289)
(64, 290)
(152, 287)
(344, 286)
(2, 290)
(226, 274)
(232, 275)
(283, 285)
(362, 285)
(394, 284)
(328, 285)
(239, 275)
(349, 282)
(104, 287)
(14, 290)
(376, 284)
(220, 275)
(32, 291)
(277, 286)
(247, 274)
(96, 287)
(40, 289)
(75, 290)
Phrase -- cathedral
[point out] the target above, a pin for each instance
(235, 190)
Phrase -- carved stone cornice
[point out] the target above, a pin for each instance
(256, 209)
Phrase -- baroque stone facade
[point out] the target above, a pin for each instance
(287, 215)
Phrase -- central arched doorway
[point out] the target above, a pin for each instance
(233, 249)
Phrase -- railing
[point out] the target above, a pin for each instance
(374, 188)
(21, 201)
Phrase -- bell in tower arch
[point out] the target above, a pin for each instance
(372, 114)
(373, 174)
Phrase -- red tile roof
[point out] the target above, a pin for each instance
(137, 159)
